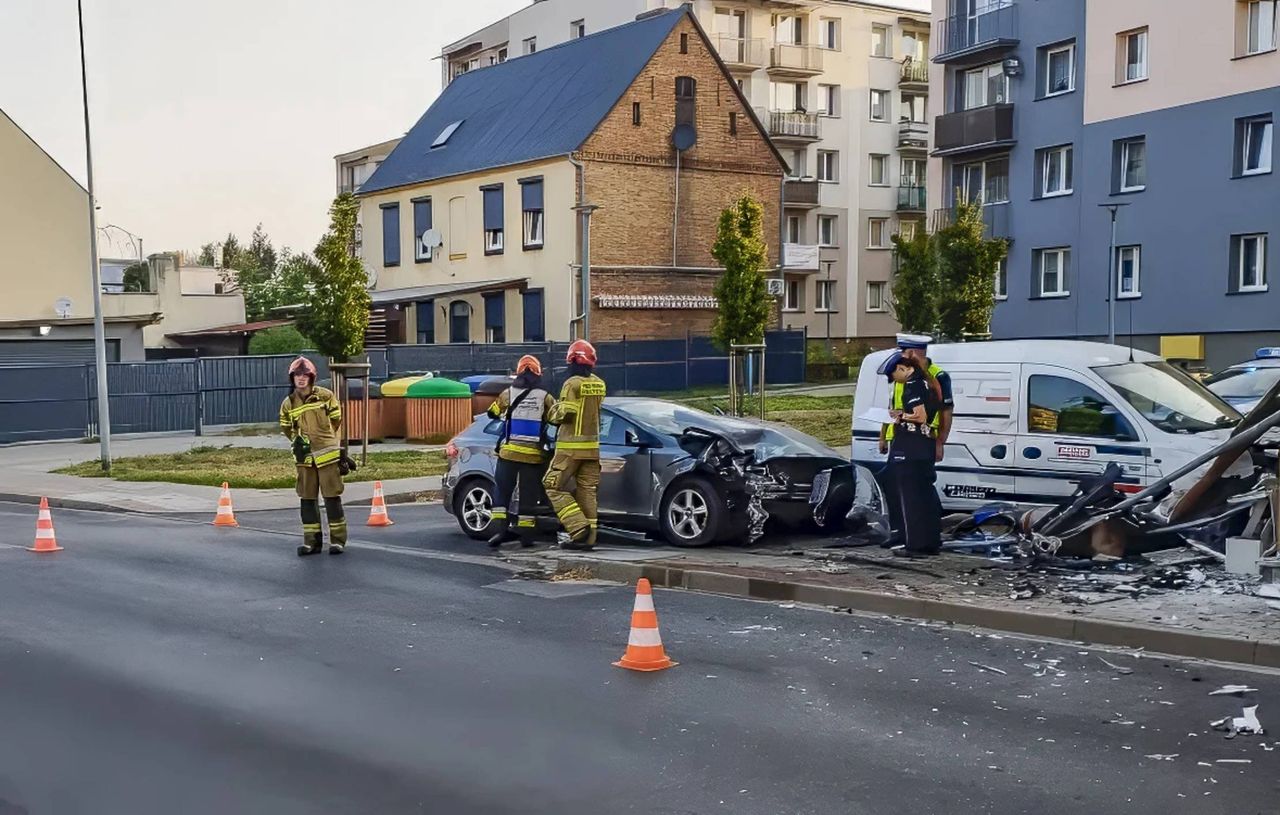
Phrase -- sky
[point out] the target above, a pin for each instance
(210, 117)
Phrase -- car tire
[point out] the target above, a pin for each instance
(692, 513)
(472, 506)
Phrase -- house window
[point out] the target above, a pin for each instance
(1128, 272)
(912, 172)
(799, 163)
(828, 166)
(1259, 27)
(877, 233)
(788, 29)
(390, 234)
(447, 133)
(1254, 140)
(1002, 279)
(529, 46)
(875, 298)
(1061, 406)
(914, 108)
(879, 170)
(532, 211)
(826, 230)
(915, 46)
(493, 219)
(787, 97)
(791, 298)
(880, 41)
(826, 298)
(577, 29)
(1059, 70)
(829, 98)
(988, 85)
(829, 33)
(1052, 266)
(1056, 171)
(1249, 266)
(985, 182)
(421, 225)
(495, 317)
(907, 230)
(458, 228)
(793, 229)
(535, 324)
(635, 113)
(1131, 164)
(459, 321)
(425, 319)
(1132, 52)
(684, 43)
(733, 123)
(686, 104)
(686, 87)
(879, 105)
(502, 55)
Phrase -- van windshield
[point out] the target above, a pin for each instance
(1168, 398)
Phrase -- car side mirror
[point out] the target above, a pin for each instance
(632, 439)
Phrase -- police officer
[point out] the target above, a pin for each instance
(523, 408)
(577, 451)
(311, 417)
(911, 456)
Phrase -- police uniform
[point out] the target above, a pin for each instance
(521, 456)
(577, 456)
(312, 424)
(911, 469)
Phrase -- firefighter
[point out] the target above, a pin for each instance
(311, 417)
(577, 450)
(522, 443)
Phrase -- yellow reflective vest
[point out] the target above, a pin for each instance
(895, 402)
(578, 415)
(317, 419)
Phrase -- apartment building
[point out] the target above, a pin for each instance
(1059, 116)
(842, 89)
(617, 150)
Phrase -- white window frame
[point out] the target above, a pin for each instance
(907, 230)
(1265, 155)
(887, 104)
(1063, 254)
(1070, 50)
(829, 166)
(1261, 285)
(989, 72)
(884, 233)
(1002, 279)
(887, 31)
(529, 45)
(1257, 39)
(796, 234)
(1136, 252)
(799, 169)
(825, 297)
(493, 240)
(829, 33)
(578, 29)
(534, 228)
(829, 97)
(871, 170)
(1135, 72)
(827, 231)
(1063, 156)
(880, 288)
(1124, 165)
(789, 287)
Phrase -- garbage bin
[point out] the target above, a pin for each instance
(394, 424)
(485, 392)
(353, 411)
(436, 410)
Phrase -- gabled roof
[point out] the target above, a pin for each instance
(533, 107)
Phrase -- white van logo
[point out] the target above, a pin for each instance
(1075, 452)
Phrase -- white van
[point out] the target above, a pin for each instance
(1033, 416)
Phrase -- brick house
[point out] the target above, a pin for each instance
(574, 145)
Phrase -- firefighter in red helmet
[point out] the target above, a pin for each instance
(577, 450)
(311, 418)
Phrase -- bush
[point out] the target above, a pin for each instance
(282, 340)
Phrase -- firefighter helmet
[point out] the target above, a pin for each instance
(581, 352)
(529, 363)
(302, 365)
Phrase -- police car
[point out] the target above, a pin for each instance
(1243, 385)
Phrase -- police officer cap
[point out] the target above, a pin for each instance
(886, 367)
(914, 342)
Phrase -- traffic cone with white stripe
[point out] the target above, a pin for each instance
(226, 516)
(45, 540)
(378, 512)
(644, 646)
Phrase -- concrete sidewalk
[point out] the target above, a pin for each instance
(26, 476)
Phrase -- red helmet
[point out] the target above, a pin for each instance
(529, 363)
(582, 352)
(302, 365)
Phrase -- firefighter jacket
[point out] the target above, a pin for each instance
(578, 415)
(524, 427)
(316, 420)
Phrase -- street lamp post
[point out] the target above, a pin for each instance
(1112, 271)
(99, 326)
(829, 264)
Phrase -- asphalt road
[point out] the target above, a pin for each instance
(161, 666)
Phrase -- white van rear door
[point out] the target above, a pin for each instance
(1070, 430)
(978, 467)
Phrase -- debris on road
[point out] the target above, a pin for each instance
(1246, 724)
(988, 668)
(1233, 690)
(1120, 669)
(1163, 756)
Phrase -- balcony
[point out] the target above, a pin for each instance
(965, 38)
(913, 136)
(995, 217)
(977, 129)
(738, 53)
(794, 126)
(795, 60)
(914, 76)
(800, 193)
(911, 198)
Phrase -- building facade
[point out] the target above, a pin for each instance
(1058, 115)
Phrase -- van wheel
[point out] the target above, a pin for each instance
(473, 507)
(692, 513)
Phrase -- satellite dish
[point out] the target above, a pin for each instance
(62, 307)
(684, 137)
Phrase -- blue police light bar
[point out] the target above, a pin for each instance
(1267, 353)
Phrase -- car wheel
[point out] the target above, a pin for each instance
(692, 513)
(473, 507)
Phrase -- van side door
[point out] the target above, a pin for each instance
(978, 466)
(1070, 430)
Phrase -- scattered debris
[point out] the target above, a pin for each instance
(1233, 690)
(1163, 756)
(989, 669)
(1246, 724)
(1235, 761)
(1120, 669)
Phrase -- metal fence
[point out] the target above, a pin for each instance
(60, 402)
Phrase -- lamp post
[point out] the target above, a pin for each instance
(829, 264)
(1112, 283)
(99, 326)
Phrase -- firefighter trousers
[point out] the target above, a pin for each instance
(577, 510)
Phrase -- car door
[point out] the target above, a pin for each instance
(978, 468)
(1070, 430)
(626, 481)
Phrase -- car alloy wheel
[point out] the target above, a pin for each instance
(687, 514)
(477, 508)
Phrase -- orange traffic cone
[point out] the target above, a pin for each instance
(45, 540)
(644, 646)
(378, 513)
(226, 516)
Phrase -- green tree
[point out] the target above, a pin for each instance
(339, 311)
(208, 255)
(914, 298)
(967, 263)
(743, 294)
(137, 278)
(284, 339)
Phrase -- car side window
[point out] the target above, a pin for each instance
(613, 429)
(1063, 406)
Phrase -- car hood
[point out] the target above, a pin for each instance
(765, 440)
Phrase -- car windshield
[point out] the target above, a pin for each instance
(767, 442)
(1168, 398)
(1244, 383)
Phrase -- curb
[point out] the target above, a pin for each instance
(61, 503)
(432, 496)
(1096, 632)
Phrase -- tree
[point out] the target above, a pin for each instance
(744, 299)
(137, 278)
(339, 311)
(208, 255)
(967, 263)
(914, 299)
(284, 339)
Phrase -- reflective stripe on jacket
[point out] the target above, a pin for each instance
(317, 419)
(523, 429)
(578, 415)
(895, 401)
